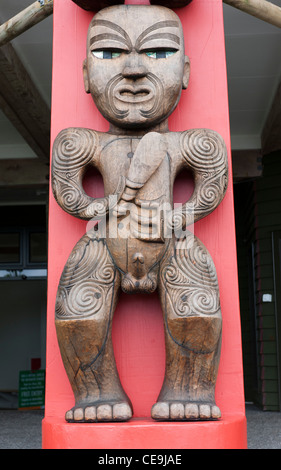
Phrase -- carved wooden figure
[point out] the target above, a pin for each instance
(135, 70)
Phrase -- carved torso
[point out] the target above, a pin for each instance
(139, 241)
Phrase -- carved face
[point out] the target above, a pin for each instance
(135, 67)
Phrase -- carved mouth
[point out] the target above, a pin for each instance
(146, 97)
(130, 94)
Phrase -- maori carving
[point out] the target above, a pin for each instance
(73, 154)
(204, 153)
(190, 279)
(86, 281)
(135, 70)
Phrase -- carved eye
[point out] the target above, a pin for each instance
(106, 54)
(160, 54)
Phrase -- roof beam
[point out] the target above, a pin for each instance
(271, 134)
(23, 172)
(25, 19)
(22, 103)
(261, 9)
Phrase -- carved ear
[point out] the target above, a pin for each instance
(85, 76)
(186, 72)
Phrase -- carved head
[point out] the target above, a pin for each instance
(136, 66)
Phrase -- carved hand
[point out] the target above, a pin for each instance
(148, 157)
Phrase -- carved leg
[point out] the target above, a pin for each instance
(86, 300)
(191, 307)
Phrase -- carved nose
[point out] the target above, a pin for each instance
(134, 72)
(134, 69)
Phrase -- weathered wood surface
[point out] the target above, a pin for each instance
(24, 20)
(135, 70)
(38, 11)
(261, 9)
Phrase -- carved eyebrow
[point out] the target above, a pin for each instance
(107, 36)
(163, 36)
(161, 24)
(109, 24)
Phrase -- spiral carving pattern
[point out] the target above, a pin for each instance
(74, 149)
(205, 154)
(203, 149)
(86, 281)
(190, 280)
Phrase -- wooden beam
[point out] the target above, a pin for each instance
(271, 134)
(22, 103)
(246, 164)
(261, 9)
(23, 172)
(24, 20)
(41, 9)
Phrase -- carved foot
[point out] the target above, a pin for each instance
(168, 411)
(91, 413)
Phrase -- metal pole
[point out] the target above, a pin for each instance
(25, 20)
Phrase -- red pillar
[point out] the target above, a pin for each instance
(138, 331)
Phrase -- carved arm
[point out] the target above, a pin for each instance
(74, 151)
(204, 153)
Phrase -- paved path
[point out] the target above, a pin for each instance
(22, 429)
(263, 429)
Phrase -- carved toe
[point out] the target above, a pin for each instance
(191, 411)
(177, 411)
(104, 413)
(160, 410)
(69, 415)
(121, 412)
(90, 413)
(216, 412)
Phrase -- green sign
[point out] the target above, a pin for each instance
(31, 389)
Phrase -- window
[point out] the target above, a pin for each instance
(23, 252)
(10, 250)
(37, 248)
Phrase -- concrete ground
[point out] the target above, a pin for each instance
(263, 428)
(22, 429)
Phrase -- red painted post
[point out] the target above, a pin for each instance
(138, 331)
